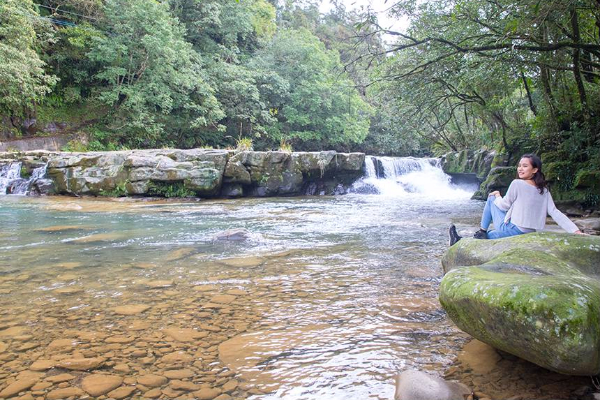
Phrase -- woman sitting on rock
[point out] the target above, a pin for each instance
(524, 208)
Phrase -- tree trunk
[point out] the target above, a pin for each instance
(529, 99)
(577, 63)
(545, 78)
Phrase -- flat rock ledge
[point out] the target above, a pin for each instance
(536, 296)
(185, 173)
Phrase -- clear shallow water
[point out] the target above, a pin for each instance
(328, 297)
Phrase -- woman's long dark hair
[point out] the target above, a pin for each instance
(538, 178)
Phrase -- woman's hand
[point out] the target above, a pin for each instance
(495, 193)
(578, 232)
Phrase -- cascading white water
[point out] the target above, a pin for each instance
(404, 176)
(8, 174)
(10, 178)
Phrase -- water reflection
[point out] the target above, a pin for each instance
(326, 298)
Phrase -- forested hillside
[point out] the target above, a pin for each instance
(507, 75)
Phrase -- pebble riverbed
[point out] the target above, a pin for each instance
(326, 298)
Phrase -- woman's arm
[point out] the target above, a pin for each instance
(561, 219)
(505, 202)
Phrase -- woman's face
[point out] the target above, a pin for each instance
(525, 170)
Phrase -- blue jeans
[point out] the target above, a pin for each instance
(491, 213)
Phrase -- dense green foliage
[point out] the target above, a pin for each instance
(508, 75)
(511, 75)
(23, 80)
(179, 73)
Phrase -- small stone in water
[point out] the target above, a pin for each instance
(222, 299)
(17, 386)
(177, 357)
(131, 309)
(66, 344)
(184, 334)
(152, 380)
(206, 394)
(81, 364)
(69, 290)
(233, 235)
(42, 365)
(418, 385)
(179, 373)
(12, 332)
(183, 385)
(64, 393)
(122, 392)
(99, 384)
(60, 378)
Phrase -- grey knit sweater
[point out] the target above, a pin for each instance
(527, 208)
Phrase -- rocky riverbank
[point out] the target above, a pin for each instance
(493, 374)
(187, 173)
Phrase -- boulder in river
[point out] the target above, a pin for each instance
(418, 385)
(536, 296)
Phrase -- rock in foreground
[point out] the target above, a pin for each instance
(536, 296)
(417, 385)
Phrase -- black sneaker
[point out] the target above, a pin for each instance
(480, 234)
(454, 237)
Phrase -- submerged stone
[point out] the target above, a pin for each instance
(99, 384)
(17, 386)
(536, 296)
(418, 385)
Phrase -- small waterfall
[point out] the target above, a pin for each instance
(12, 183)
(406, 176)
(8, 174)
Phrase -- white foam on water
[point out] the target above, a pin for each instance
(408, 177)
(9, 173)
(10, 177)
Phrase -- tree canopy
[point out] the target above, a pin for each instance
(502, 74)
(498, 73)
(23, 79)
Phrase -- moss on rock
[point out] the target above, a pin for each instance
(536, 296)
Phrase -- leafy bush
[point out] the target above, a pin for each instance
(119, 191)
(244, 144)
(169, 189)
(285, 146)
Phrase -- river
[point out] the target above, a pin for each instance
(324, 298)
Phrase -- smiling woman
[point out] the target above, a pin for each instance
(524, 207)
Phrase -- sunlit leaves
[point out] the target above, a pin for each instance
(150, 72)
(23, 80)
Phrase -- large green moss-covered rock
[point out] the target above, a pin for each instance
(468, 161)
(499, 179)
(536, 296)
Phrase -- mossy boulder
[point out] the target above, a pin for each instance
(536, 296)
(468, 161)
(499, 178)
(573, 184)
